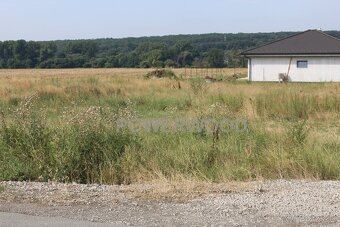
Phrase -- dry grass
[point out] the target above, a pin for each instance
(183, 190)
(108, 73)
(293, 129)
(24, 82)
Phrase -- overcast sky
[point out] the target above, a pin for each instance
(82, 19)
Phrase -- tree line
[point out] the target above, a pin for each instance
(207, 50)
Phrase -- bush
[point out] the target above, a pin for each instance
(163, 73)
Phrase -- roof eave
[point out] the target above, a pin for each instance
(291, 54)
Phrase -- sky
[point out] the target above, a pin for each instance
(89, 19)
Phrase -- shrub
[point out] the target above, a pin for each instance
(161, 73)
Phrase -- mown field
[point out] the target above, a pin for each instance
(62, 125)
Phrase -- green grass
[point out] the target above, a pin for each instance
(89, 149)
(67, 132)
(288, 105)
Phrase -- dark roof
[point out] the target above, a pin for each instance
(311, 42)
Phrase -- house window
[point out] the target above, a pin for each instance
(302, 64)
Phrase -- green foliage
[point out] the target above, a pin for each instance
(215, 58)
(207, 50)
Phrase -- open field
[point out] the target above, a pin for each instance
(62, 125)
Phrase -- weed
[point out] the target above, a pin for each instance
(198, 86)
(298, 132)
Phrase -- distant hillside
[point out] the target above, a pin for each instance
(207, 50)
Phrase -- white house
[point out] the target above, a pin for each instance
(310, 56)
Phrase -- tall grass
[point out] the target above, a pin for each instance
(64, 128)
(88, 148)
(288, 105)
(85, 149)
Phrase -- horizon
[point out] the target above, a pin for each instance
(73, 20)
(153, 36)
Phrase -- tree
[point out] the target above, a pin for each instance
(20, 50)
(233, 58)
(2, 64)
(1, 50)
(111, 62)
(33, 53)
(47, 51)
(215, 58)
(206, 50)
(90, 49)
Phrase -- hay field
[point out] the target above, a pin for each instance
(63, 125)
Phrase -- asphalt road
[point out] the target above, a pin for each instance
(22, 220)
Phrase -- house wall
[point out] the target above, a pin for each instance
(320, 69)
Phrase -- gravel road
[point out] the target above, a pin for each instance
(23, 220)
(279, 203)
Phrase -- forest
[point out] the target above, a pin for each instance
(206, 50)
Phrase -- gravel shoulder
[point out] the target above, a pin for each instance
(253, 203)
(23, 220)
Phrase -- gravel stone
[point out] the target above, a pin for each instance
(279, 203)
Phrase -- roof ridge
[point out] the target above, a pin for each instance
(254, 48)
(330, 36)
(317, 42)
